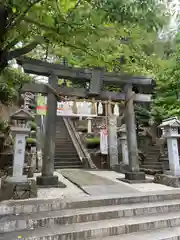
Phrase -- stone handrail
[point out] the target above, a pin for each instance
(82, 152)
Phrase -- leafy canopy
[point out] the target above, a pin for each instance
(167, 98)
(94, 32)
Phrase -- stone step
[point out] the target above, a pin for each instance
(153, 154)
(62, 141)
(172, 233)
(96, 229)
(72, 154)
(151, 171)
(63, 137)
(68, 166)
(38, 205)
(67, 155)
(67, 163)
(65, 148)
(154, 158)
(71, 216)
(65, 158)
(59, 157)
(153, 163)
(151, 166)
(151, 149)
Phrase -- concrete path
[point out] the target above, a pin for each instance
(93, 184)
(142, 187)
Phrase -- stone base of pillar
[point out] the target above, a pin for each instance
(121, 168)
(168, 180)
(15, 190)
(135, 177)
(49, 181)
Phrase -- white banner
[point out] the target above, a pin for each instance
(83, 109)
(104, 141)
(66, 108)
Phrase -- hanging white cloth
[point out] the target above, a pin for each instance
(100, 108)
(116, 110)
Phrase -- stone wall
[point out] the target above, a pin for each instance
(6, 111)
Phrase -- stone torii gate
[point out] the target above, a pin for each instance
(96, 78)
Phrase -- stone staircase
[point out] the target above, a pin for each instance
(155, 216)
(66, 155)
(152, 163)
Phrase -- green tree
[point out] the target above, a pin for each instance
(86, 33)
(79, 28)
(167, 99)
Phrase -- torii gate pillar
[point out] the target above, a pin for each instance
(134, 174)
(47, 178)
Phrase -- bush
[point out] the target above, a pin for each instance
(31, 141)
(33, 126)
(82, 129)
(92, 142)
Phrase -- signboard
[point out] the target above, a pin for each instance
(41, 105)
(104, 141)
(19, 152)
(64, 108)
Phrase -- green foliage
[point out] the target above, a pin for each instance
(143, 115)
(94, 33)
(4, 127)
(89, 33)
(11, 81)
(31, 141)
(92, 142)
(33, 125)
(167, 99)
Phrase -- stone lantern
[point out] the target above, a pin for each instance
(170, 132)
(124, 146)
(19, 130)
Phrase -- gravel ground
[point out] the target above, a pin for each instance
(70, 191)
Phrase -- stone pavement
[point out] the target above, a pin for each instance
(93, 184)
(97, 183)
(142, 187)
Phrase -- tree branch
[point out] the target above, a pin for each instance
(53, 30)
(21, 51)
(11, 44)
(20, 17)
(74, 8)
(41, 25)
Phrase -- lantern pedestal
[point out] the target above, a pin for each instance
(124, 146)
(19, 154)
(170, 131)
(19, 186)
(112, 141)
(89, 119)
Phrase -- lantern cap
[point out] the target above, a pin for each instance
(21, 114)
(170, 122)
